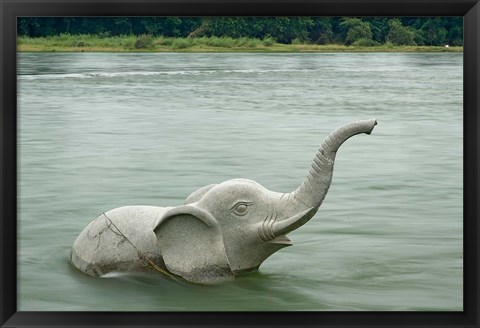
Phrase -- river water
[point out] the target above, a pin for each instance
(103, 130)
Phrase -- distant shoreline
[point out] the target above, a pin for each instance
(91, 43)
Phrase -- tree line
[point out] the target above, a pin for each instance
(365, 31)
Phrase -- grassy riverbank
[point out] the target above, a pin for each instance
(146, 43)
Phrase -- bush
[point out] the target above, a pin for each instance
(388, 45)
(181, 44)
(298, 41)
(80, 44)
(364, 43)
(165, 41)
(253, 43)
(220, 42)
(247, 42)
(325, 38)
(268, 42)
(103, 35)
(144, 41)
(127, 42)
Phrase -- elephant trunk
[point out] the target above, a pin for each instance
(314, 188)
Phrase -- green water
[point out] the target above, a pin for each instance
(99, 131)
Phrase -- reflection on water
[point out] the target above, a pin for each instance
(98, 131)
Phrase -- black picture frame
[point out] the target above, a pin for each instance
(10, 10)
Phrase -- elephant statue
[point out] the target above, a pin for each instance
(221, 231)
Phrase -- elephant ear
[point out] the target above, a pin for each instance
(198, 194)
(192, 245)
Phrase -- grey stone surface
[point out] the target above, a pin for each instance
(221, 231)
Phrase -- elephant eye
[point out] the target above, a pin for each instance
(241, 208)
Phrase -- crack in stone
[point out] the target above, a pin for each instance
(98, 234)
(143, 257)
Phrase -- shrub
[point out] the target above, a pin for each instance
(298, 41)
(268, 41)
(106, 34)
(80, 44)
(250, 43)
(388, 45)
(128, 43)
(144, 41)
(247, 42)
(253, 43)
(364, 43)
(181, 44)
(165, 41)
(221, 42)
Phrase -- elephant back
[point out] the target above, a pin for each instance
(119, 240)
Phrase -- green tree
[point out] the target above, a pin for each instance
(234, 27)
(123, 25)
(23, 26)
(434, 32)
(399, 34)
(379, 26)
(321, 31)
(283, 29)
(166, 26)
(356, 29)
(454, 26)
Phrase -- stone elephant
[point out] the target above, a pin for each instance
(221, 231)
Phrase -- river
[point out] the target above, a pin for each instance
(102, 130)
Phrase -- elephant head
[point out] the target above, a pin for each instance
(230, 228)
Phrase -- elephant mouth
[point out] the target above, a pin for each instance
(273, 231)
(282, 240)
